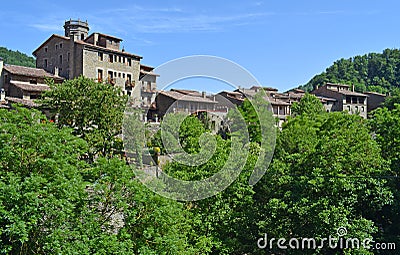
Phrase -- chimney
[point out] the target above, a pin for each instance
(352, 87)
(56, 71)
(3, 95)
(203, 94)
(317, 87)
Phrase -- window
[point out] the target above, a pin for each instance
(128, 77)
(61, 45)
(68, 57)
(82, 37)
(119, 75)
(33, 81)
(61, 58)
(100, 55)
(110, 74)
(100, 75)
(115, 58)
(129, 62)
(120, 59)
(362, 109)
(348, 108)
(110, 58)
(46, 49)
(123, 60)
(45, 63)
(56, 46)
(123, 75)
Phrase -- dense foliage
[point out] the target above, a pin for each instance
(16, 58)
(330, 170)
(379, 72)
(93, 110)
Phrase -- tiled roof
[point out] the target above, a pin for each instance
(25, 102)
(325, 99)
(187, 92)
(374, 93)
(148, 73)
(351, 93)
(179, 96)
(48, 39)
(30, 87)
(29, 71)
(108, 49)
(275, 101)
(146, 67)
(105, 35)
(337, 84)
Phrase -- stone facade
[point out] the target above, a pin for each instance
(97, 56)
(24, 84)
(347, 100)
(375, 100)
(178, 101)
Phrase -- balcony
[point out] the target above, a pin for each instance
(129, 84)
(111, 81)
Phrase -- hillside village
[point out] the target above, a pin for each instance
(100, 57)
(69, 184)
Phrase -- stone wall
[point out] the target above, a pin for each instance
(120, 70)
(51, 52)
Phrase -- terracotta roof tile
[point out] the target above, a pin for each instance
(25, 102)
(30, 87)
(29, 71)
(179, 96)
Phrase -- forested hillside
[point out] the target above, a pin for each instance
(378, 72)
(16, 58)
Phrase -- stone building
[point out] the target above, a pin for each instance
(148, 85)
(347, 100)
(187, 101)
(375, 100)
(97, 56)
(279, 107)
(24, 84)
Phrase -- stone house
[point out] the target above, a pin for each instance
(24, 84)
(187, 101)
(375, 100)
(280, 108)
(97, 56)
(148, 85)
(346, 99)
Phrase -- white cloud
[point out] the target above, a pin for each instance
(47, 27)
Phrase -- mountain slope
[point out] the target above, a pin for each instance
(378, 72)
(16, 58)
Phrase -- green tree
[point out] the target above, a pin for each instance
(16, 58)
(93, 110)
(53, 203)
(377, 72)
(326, 174)
(392, 100)
(385, 124)
(309, 104)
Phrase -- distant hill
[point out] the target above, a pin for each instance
(379, 72)
(16, 58)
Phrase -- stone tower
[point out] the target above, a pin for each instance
(77, 29)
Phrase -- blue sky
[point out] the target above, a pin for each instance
(282, 43)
